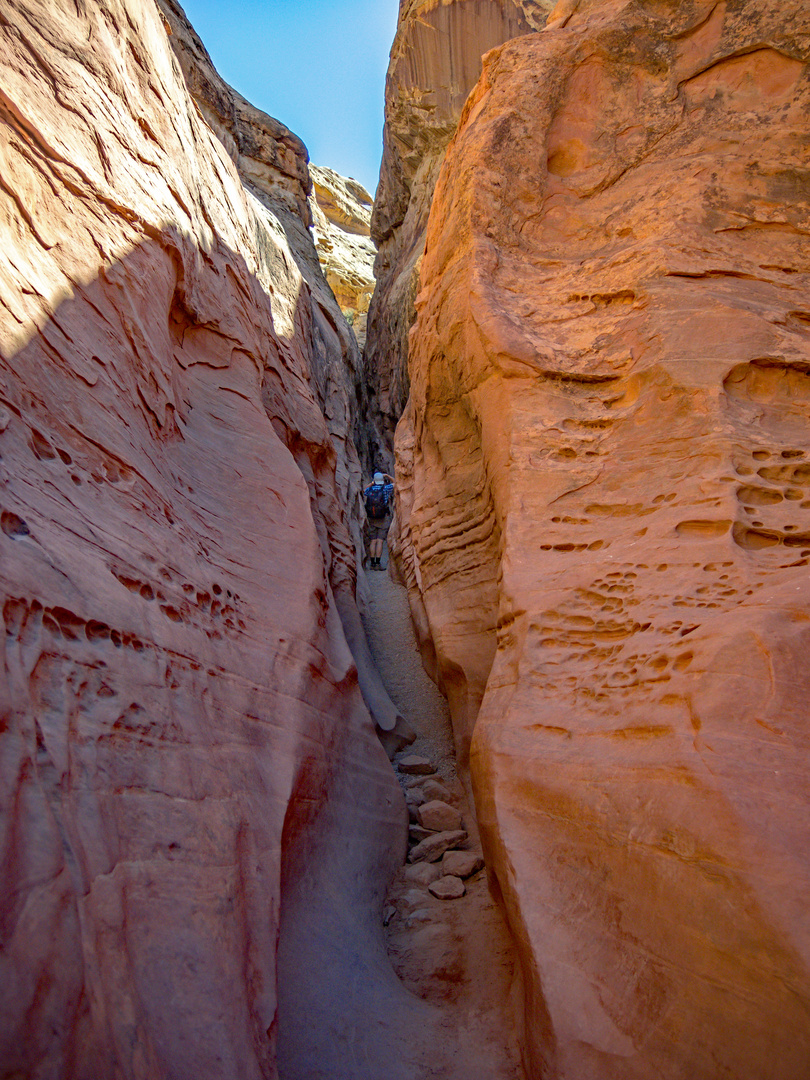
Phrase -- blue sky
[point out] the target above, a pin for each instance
(318, 66)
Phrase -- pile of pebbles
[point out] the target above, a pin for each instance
(438, 855)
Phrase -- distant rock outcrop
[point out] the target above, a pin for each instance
(435, 62)
(341, 214)
(604, 475)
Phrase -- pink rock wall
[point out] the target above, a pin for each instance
(178, 702)
(606, 460)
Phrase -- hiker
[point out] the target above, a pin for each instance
(378, 496)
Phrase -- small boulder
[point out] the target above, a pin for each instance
(414, 765)
(461, 863)
(435, 846)
(435, 789)
(447, 887)
(423, 873)
(438, 816)
(418, 833)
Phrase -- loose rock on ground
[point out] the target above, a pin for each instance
(447, 888)
(433, 847)
(414, 765)
(461, 863)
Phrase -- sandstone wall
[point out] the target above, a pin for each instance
(605, 471)
(435, 62)
(268, 156)
(341, 213)
(272, 164)
(182, 734)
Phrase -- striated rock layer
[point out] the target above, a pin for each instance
(606, 484)
(435, 62)
(341, 212)
(182, 734)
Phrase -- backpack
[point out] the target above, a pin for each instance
(377, 502)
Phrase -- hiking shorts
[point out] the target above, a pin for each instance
(378, 527)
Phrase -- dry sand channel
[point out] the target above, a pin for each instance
(456, 953)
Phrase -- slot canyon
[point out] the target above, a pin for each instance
(533, 803)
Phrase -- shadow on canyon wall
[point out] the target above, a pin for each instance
(191, 781)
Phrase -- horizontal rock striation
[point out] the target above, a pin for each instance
(607, 513)
(182, 730)
(435, 62)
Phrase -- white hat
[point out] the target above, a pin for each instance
(379, 478)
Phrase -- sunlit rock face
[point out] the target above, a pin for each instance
(182, 735)
(269, 157)
(341, 214)
(606, 468)
(435, 62)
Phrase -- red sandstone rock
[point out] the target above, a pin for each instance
(439, 816)
(417, 833)
(447, 888)
(435, 789)
(435, 62)
(423, 873)
(606, 453)
(341, 212)
(269, 157)
(272, 165)
(415, 765)
(461, 863)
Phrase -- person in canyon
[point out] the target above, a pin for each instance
(377, 497)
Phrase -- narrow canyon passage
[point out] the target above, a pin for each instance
(415, 986)
(454, 953)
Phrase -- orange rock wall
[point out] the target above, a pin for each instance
(182, 734)
(435, 62)
(605, 467)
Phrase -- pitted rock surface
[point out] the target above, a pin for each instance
(606, 501)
